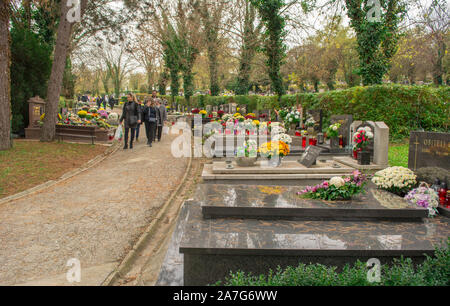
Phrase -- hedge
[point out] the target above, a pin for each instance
(434, 271)
(402, 108)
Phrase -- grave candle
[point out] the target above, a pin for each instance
(304, 142)
(341, 142)
(443, 194)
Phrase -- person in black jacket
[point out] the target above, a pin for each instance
(151, 118)
(132, 116)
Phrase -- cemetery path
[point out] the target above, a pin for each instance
(95, 217)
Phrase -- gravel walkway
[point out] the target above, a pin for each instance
(94, 217)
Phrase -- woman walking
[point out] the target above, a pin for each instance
(151, 117)
(132, 115)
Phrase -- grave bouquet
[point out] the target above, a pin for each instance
(337, 189)
(425, 197)
(283, 137)
(274, 149)
(397, 180)
(333, 130)
(362, 138)
(292, 117)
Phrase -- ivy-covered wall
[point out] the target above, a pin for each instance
(402, 108)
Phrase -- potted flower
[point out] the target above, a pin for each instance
(310, 124)
(361, 140)
(333, 134)
(424, 197)
(274, 151)
(195, 111)
(337, 189)
(247, 155)
(397, 180)
(203, 113)
(292, 119)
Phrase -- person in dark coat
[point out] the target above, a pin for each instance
(162, 118)
(151, 118)
(112, 102)
(138, 129)
(132, 116)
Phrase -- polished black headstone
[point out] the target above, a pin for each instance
(428, 149)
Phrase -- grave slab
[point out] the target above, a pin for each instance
(350, 162)
(214, 247)
(209, 175)
(276, 202)
(287, 167)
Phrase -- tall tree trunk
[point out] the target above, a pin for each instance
(56, 76)
(5, 82)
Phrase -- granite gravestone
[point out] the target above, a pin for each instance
(310, 156)
(233, 108)
(345, 121)
(243, 109)
(209, 109)
(428, 149)
(226, 108)
(215, 109)
(36, 108)
(317, 116)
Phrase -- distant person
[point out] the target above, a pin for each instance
(132, 116)
(138, 129)
(112, 103)
(151, 118)
(162, 118)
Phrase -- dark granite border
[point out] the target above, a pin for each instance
(348, 214)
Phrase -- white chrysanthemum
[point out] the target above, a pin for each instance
(337, 182)
(368, 129)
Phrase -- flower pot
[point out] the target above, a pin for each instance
(364, 158)
(355, 153)
(275, 162)
(292, 129)
(246, 161)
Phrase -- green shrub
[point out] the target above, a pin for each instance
(434, 271)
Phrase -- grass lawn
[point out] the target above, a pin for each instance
(398, 154)
(32, 163)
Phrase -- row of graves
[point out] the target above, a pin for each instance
(251, 214)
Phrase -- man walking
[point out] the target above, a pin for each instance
(162, 118)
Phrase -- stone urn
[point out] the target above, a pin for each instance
(292, 129)
(246, 161)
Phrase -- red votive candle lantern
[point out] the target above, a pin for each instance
(341, 142)
(304, 142)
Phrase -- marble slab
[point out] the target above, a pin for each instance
(287, 167)
(282, 202)
(350, 162)
(208, 175)
(264, 237)
(199, 237)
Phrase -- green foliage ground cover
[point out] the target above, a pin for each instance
(434, 271)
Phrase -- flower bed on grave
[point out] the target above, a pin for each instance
(398, 181)
(86, 122)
